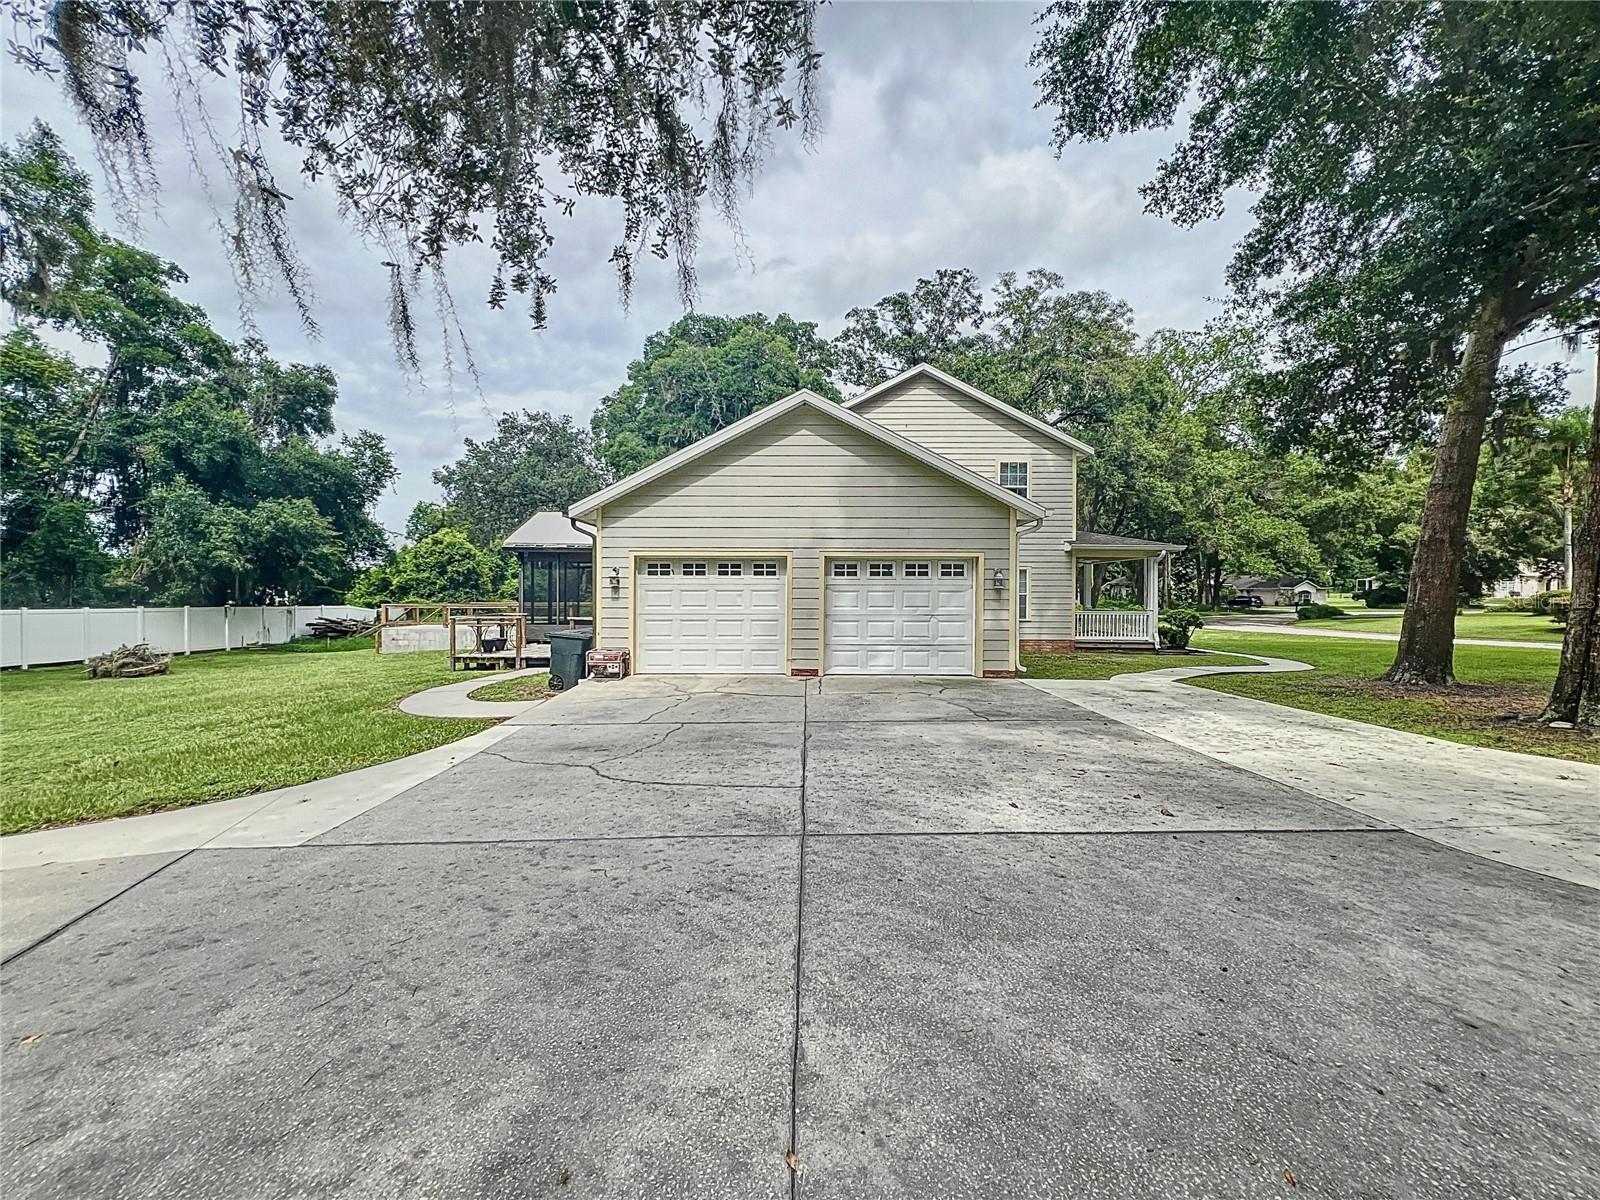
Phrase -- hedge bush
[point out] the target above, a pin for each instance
(1177, 626)
(1317, 612)
(1385, 595)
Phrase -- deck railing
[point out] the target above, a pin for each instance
(1115, 626)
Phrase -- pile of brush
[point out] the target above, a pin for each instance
(338, 627)
(128, 662)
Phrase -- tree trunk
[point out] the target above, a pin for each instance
(1576, 695)
(1567, 487)
(1427, 634)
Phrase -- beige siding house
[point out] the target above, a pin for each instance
(922, 528)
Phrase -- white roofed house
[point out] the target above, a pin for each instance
(921, 528)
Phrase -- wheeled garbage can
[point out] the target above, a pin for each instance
(569, 650)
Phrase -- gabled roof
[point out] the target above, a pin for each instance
(548, 531)
(982, 397)
(731, 433)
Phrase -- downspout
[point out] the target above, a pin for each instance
(1016, 625)
(594, 570)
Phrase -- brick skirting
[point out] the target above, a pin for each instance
(1066, 645)
(803, 672)
(999, 674)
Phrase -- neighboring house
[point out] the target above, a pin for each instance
(1279, 589)
(1528, 581)
(923, 528)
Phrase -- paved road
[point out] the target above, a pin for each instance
(1260, 625)
(952, 940)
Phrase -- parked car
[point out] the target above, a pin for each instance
(1245, 601)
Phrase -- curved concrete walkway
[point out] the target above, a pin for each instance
(1537, 813)
(454, 699)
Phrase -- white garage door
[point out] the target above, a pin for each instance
(899, 617)
(711, 615)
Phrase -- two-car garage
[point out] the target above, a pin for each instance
(880, 615)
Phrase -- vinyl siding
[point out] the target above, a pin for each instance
(807, 485)
(980, 438)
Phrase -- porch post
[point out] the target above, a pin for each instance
(1152, 597)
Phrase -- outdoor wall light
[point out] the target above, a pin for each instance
(615, 579)
(999, 579)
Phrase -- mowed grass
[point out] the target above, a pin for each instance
(1091, 665)
(1494, 682)
(523, 687)
(216, 726)
(1499, 626)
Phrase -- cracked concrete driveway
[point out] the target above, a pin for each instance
(943, 939)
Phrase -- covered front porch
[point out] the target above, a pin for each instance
(1142, 584)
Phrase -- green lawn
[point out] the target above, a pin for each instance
(1090, 665)
(1502, 626)
(1494, 681)
(217, 725)
(523, 687)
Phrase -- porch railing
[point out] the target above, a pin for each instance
(1115, 626)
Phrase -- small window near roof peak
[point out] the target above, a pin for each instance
(1014, 477)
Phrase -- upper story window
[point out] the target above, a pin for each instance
(1014, 477)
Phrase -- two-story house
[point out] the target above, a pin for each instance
(922, 528)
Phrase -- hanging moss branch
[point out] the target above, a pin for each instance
(431, 117)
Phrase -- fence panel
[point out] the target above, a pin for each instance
(36, 637)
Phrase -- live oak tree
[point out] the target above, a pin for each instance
(1435, 166)
(534, 461)
(701, 373)
(442, 123)
(184, 469)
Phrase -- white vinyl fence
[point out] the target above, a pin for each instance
(36, 637)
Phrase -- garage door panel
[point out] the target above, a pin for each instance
(723, 617)
(911, 624)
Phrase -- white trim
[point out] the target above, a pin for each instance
(771, 412)
(1024, 596)
(982, 397)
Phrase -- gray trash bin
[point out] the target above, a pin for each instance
(569, 661)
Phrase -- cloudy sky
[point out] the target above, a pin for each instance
(932, 155)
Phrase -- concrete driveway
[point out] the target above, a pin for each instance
(943, 939)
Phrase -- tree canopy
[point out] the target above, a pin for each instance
(1427, 183)
(432, 117)
(186, 468)
(704, 372)
(534, 462)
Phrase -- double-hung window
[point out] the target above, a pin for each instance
(1014, 477)
(1022, 593)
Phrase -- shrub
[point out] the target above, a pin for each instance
(1113, 604)
(1559, 608)
(1317, 612)
(1177, 626)
(1541, 601)
(1385, 595)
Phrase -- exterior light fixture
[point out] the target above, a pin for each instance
(615, 579)
(998, 579)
